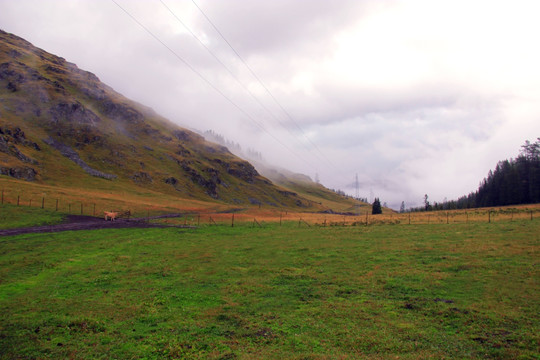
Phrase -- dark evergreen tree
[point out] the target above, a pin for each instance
(376, 207)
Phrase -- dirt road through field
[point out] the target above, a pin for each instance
(79, 222)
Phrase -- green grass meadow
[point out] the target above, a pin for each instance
(459, 291)
(12, 216)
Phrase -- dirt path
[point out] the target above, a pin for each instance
(79, 222)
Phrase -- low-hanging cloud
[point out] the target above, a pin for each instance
(416, 97)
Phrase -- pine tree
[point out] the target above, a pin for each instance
(376, 207)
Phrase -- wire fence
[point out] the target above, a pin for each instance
(319, 220)
(259, 219)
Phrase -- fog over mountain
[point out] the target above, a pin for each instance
(415, 97)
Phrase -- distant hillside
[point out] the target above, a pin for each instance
(303, 185)
(61, 126)
(300, 184)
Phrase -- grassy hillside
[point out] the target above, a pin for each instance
(315, 192)
(61, 127)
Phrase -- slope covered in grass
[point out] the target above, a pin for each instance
(60, 126)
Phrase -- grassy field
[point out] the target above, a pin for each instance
(424, 291)
(12, 216)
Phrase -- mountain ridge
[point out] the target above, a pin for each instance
(57, 119)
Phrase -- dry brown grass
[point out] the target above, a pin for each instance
(257, 215)
(150, 203)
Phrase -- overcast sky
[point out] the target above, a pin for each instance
(416, 97)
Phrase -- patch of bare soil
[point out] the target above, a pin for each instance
(81, 222)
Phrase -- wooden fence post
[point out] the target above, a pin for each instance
(30, 204)
(198, 219)
(18, 197)
(94, 211)
(489, 217)
(43, 202)
(69, 208)
(56, 204)
(367, 218)
(409, 218)
(447, 217)
(232, 221)
(280, 215)
(531, 215)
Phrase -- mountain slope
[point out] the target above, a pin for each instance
(61, 126)
(301, 184)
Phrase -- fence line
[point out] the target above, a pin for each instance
(488, 215)
(74, 207)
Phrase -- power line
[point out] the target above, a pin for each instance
(262, 84)
(268, 111)
(209, 83)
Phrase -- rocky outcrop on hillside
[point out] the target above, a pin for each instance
(73, 112)
(18, 172)
(142, 178)
(9, 138)
(73, 156)
(243, 170)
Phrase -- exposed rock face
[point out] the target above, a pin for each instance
(182, 151)
(120, 111)
(182, 135)
(171, 181)
(244, 171)
(141, 178)
(240, 169)
(24, 173)
(287, 193)
(10, 137)
(80, 135)
(73, 113)
(18, 74)
(254, 201)
(18, 137)
(209, 184)
(73, 156)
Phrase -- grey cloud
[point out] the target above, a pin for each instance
(404, 140)
(256, 27)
